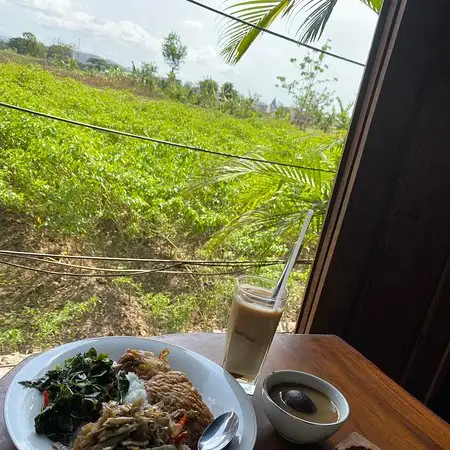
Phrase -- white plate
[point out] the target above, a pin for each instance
(219, 389)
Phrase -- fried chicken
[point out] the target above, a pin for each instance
(144, 364)
(179, 398)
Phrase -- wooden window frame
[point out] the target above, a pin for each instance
(404, 86)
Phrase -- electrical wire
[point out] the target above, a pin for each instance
(273, 33)
(111, 270)
(89, 275)
(159, 141)
(77, 266)
(241, 267)
(191, 262)
(170, 272)
(126, 274)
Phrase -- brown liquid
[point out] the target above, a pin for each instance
(251, 327)
(326, 410)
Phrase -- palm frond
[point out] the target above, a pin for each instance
(239, 168)
(374, 5)
(236, 37)
(264, 219)
(319, 12)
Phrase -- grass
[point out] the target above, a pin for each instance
(68, 189)
(43, 328)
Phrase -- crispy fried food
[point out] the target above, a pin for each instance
(144, 364)
(178, 396)
(127, 427)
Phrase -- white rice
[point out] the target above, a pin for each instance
(136, 391)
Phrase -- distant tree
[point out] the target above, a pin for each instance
(209, 90)
(314, 104)
(60, 52)
(146, 74)
(28, 45)
(174, 52)
(227, 91)
(3, 45)
(99, 64)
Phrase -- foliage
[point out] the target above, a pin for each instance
(117, 193)
(145, 80)
(75, 392)
(236, 38)
(314, 106)
(61, 53)
(174, 52)
(41, 326)
(99, 64)
(28, 45)
(78, 181)
(279, 197)
(228, 92)
(209, 90)
(146, 75)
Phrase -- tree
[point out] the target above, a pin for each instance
(228, 92)
(60, 52)
(278, 198)
(99, 64)
(209, 90)
(314, 106)
(146, 75)
(236, 38)
(174, 52)
(28, 45)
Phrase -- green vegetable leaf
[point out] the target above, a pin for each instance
(76, 393)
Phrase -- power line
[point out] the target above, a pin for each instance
(122, 271)
(240, 266)
(117, 275)
(191, 262)
(158, 141)
(273, 33)
(88, 275)
(77, 266)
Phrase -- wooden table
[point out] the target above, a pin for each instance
(380, 410)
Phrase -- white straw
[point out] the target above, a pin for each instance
(281, 286)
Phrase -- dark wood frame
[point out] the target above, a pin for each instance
(381, 275)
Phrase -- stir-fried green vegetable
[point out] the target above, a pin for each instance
(74, 393)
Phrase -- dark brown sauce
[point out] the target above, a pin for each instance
(324, 411)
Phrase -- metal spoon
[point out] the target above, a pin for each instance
(220, 432)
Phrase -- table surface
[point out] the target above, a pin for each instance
(381, 411)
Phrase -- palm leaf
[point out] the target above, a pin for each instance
(240, 168)
(236, 38)
(374, 5)
(319, 11)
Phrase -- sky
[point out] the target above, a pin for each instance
(133, 30)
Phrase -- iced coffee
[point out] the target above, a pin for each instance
(252, 323)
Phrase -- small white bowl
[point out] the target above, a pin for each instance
(293, 428)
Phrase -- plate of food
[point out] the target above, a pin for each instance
(122, 393)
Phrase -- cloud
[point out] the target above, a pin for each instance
(194, 24)
(60, 7)
(64, 14)
(202, 55)
(207, 56)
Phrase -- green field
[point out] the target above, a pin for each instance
(74, 190)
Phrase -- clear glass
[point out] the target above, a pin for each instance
(252, 324)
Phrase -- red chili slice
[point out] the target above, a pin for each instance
(46, 399)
